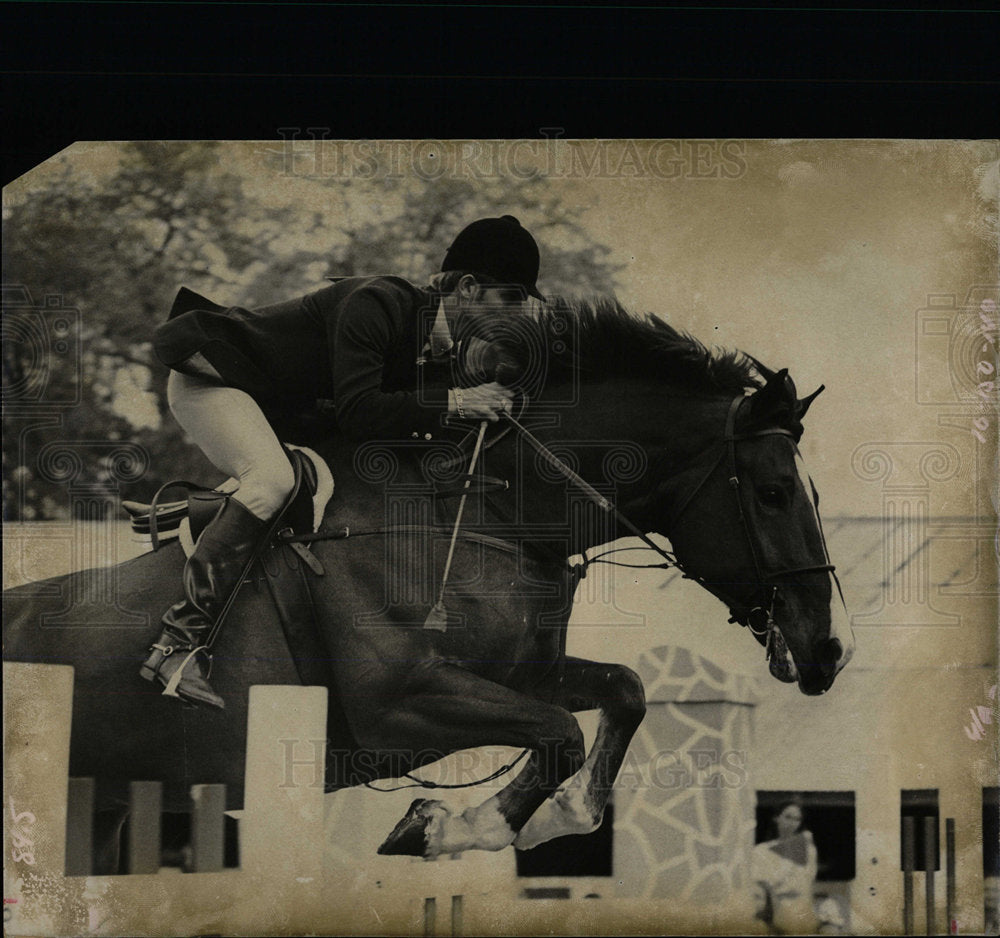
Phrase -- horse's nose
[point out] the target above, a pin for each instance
(831, 655)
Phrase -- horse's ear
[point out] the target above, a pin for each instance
(775, 400)
(803, 405)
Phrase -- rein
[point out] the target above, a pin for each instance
(342, 534)
(603, 503)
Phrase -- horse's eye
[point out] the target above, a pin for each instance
(773, 496)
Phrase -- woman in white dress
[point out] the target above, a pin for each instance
(783, 873)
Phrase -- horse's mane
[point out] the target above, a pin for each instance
(600, 339)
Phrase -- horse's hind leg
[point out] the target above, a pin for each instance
(578, 808)
(448, 709)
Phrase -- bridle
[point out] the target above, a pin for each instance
(758, 618)
(757, 615)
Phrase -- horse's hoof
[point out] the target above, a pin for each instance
(409, 837)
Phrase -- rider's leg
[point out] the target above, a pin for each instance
(232, 431)
(234, 434)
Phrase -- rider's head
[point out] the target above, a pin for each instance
(488, 275)
(491, 266)
(500, 250)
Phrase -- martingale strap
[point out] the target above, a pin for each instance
(342, 534)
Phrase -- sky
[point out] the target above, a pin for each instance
(820, 258)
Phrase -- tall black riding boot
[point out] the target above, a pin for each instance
(178, 659)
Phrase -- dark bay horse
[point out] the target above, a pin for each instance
(696, 446)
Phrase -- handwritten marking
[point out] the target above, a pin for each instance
(22, 844)
(981, 716)
(989, 327)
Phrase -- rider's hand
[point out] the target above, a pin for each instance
(484, 402)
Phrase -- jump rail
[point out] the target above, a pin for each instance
(289, 880)
(204, 852)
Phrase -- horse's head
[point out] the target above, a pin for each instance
(745, 524)
(725, 479)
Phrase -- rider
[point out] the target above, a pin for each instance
(359, 343)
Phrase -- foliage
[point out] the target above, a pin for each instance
(115, 245)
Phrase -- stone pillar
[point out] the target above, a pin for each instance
(684, 805)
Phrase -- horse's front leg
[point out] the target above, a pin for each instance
(446, 708)
(578, 808)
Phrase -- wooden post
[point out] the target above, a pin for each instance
(930, 861)
(950, 902)
(909, 863)
(208, 831)
(430, 917)
(80, 827)
(144, 835)
(37, 701)
(281, 831)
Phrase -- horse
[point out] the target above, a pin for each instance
(631, 428)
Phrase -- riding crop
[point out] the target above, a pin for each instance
(437, 618)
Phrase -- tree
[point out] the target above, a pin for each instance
(116, 245)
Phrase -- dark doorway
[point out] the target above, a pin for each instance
(829, 815)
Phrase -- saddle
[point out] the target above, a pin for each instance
(284, 562)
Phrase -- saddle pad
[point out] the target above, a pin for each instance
(324, 483)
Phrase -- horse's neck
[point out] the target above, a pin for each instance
(626, 441)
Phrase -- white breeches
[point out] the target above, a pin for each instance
(234, 434)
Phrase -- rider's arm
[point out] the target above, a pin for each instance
(367, 329)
